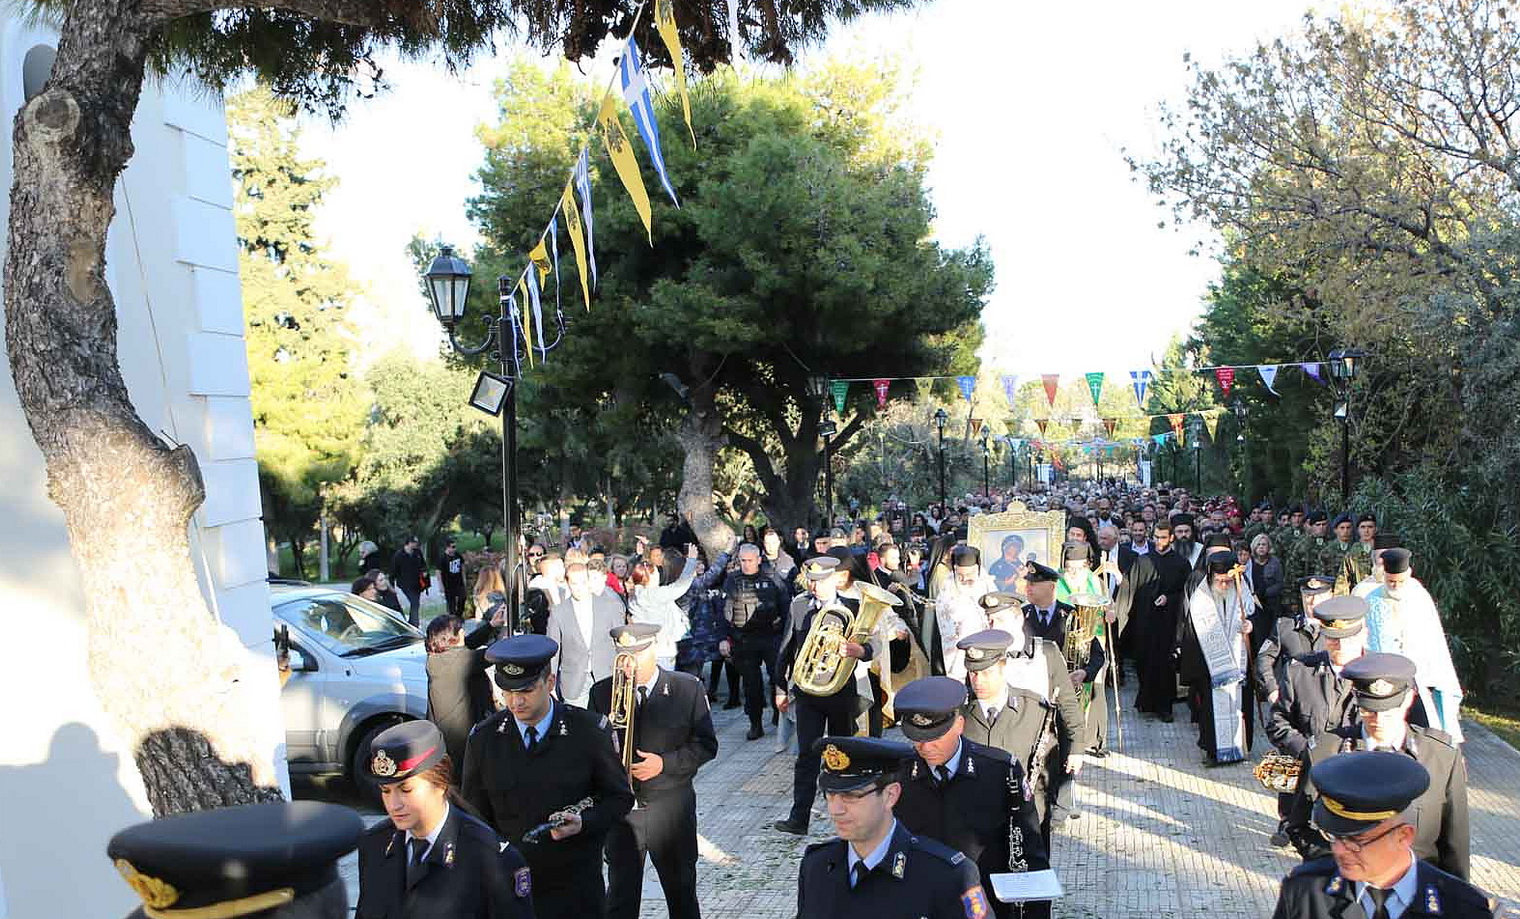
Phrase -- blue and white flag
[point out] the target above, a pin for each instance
(1268, 376)
(1140, 380)
(583, 191)
(635, 80)
(554, 248)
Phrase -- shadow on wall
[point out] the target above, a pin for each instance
(59, 815)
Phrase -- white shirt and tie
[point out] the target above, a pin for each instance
(1396, 899)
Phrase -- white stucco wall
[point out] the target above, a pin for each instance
(67, 781)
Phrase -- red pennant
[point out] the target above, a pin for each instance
(881, 387)
(1108, 426)
(1052, 384)
(1176, 421)
(1041, 423)
(1226, 378)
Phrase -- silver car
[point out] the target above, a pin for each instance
(356, 669)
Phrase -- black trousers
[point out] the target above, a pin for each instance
(750, 653)
(413, 606)
(454, 601)
(665, 827)
(817, 716)
(571, 892)
(721, 666)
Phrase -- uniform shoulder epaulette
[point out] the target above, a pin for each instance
(490, 722)
(682, 677)
(1438, 884)
(1435, 734)
(1318, 867)
(996, 754)
(937, 849)
(818, 847)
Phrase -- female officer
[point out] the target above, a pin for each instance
(432, 859)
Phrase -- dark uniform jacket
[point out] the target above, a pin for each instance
(1291, 637)
(754, 604)
(514, 790)
(1016, 729)
(1442, 832)
(918, 878)
(799, 622)
(1314, 700)
(470, 873)
(1055, 633)
(1315, 890)
(984, 811)
(675, 723)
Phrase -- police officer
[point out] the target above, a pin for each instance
(876, 867)
(431, 858)
(1048, 619)
(1364, 810)
(1293, 635)
(972, 798)
(816, 715)
(672, 736)
(1382, 684)
(272, 861)
(754, 605)
(543, 766)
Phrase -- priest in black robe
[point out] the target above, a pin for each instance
(1151, 597)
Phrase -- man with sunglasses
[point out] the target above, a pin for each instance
(1382, 685)
(875, 867)
(1367, 808)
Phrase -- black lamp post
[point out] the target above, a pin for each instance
(986, 462)
(1241, 413)
(448, 285)
(819, 386)
(939, 422)
(1345, 363)
(1197, 464)
(1013, 458)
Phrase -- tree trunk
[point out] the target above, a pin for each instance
(701, 436)
(160, 664)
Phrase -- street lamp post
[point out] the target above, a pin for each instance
(1345, 363)
(986, 463)
(1241, 413)
(448, 285)
(828, 429)
(1197, 466)
(939, 422)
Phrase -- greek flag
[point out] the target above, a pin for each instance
(583, 189)
(635, 80)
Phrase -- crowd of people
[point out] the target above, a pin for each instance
(566, 738)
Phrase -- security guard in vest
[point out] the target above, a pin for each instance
(1364, 810)
(1294, 635)
(546, 776)
(271, 861)
(876, 867)
(972, 798)
(431, 858)
(755, 606)
(672, 736)
(1383, 686)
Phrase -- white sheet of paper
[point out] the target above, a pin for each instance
(1016, 887)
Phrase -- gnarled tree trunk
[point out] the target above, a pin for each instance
(701, 436)
(160, 663)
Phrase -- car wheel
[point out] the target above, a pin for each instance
(358, 763)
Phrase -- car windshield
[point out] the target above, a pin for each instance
(348, 626)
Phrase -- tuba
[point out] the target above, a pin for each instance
(623, 707)
(1278, 772)
(821, 668)
(1083, 628)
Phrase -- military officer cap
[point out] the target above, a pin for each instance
(407, 749)
(965, 557)
(852, 763)
(996, 600)
(1315, 584)
(235, 861)
(820, 567)
(1341, 617)
(521, 659)
(1317, 517)
(983, 649)
(927, 707)
(1396, 560)
(1221, 561)
(1037, 573)
(1361, 789)
(1380, 680)
(1074, 550)
(633, 637)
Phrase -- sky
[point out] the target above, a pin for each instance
(1030, 105)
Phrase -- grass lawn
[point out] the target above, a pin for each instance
(468, 542)
(1502, 719)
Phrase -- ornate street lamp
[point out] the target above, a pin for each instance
(1345, 365)
(940, 418)
(986, 458)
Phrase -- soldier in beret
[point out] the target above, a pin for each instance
(1384, 690)
(262, 861)
(1302, 557)
(972, 798)
(545, 775)
(876, 867)
(431, 858)
(1365, 812)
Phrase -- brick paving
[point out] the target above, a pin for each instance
(1161, 835)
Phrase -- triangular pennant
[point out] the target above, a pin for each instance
(635, 83)
(1160, 439)
(1042, 423)
(968, 386)
(925, 386)
(1268, 376)
(1109, 424)
(1226, 378)
(1211, 424)
(538, 311)
(1175, 420)
(882, 387)
(527, 330)
(841, 391)
(554, 254)
(582, 180)
(1011, 388)
(573, 226)
(1313, 370)
(615, 139)
(1052, 383)
(665, 22)
(1095, 385)
(1140, 379)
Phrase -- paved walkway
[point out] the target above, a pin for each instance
(1162, 836)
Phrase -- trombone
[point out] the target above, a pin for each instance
(623, 705)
